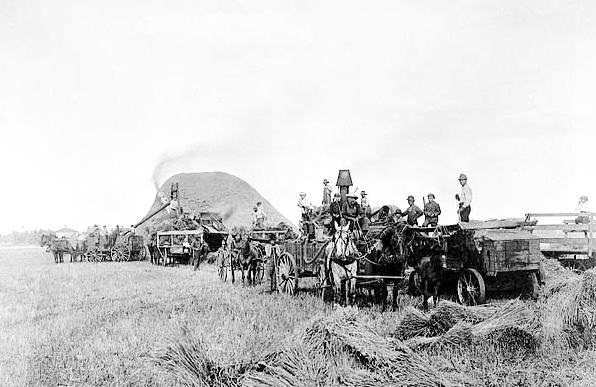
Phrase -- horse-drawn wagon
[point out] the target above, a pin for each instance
(178, 246)
(477, 259)
(116, 247)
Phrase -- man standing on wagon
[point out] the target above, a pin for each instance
(464, 199)
(432, 210)
(413, 212)
(327, 190)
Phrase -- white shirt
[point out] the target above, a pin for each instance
(305, 204)
(466, 195)
(582, 207)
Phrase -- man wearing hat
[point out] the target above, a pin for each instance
(364, 204)
(582, 206)
(327, 190)
(432, 210)
(413, 212)
(260, 218)
(464, 199)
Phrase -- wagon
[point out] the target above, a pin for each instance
(479, 259)
(115, 247)
(178, 246)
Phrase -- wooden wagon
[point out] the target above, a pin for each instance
(480, 259)
(115, 247)
(178, 246)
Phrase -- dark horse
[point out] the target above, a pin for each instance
(58, 247)
(388, 259)
(248, 258)
(431, 275)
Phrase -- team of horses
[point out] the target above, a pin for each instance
(388, 254)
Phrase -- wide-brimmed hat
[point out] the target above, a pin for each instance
(463, 177)
(325, 181)
(302, 193)
(410, 197)
(431, 195)
(352, 196)
(363, 193)
(583, 197)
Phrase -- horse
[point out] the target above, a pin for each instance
(431, 276)
(388, 258)
(341, 262)
(58, 247)
(248, 259)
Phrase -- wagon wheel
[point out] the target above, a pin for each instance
(93, 255)
(470, 287)
(224, 266)
(120, 253)
(576, 265)
(414, 284)
(285, 274)
(325, 286)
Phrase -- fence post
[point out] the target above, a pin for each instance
(591, 236)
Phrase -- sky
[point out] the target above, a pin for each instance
(97, 98)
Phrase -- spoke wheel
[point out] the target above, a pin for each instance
(260, 272)
(285, 274)
(470, 288)
(120, 253)
(93, 255)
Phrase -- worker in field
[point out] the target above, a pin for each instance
(364, 203)
(259, 218)
(327, 191)
(412, 213)
(305, 206)
(582, 207)
(432, 210)
(464, 199)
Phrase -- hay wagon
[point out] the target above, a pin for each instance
(178, 246)
(480, 258)
(267, 248)
(97, 247)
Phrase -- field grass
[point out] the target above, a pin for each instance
(86, 324)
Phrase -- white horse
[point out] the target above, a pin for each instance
(341, 262)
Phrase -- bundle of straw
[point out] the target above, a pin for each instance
(414, 323)
(448, 313)
(185, 359)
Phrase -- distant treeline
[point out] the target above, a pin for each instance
(22, 238)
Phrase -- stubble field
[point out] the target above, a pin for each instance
(85, 324)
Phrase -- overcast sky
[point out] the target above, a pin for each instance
(406, 94)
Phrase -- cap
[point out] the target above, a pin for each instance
(362, 193)
(325, 181)
(410, 197)
(259, 203)
(583, 197)
(431, 195)
(302, 193)
(463, 177)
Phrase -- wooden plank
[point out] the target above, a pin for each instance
(566, 241)
(546, 214)
(560, 227)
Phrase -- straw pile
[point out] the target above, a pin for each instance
(509, 329)
(415, 323)
(339, 350)
(567, 307)
(185, 359)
